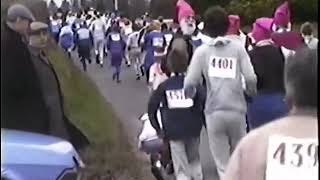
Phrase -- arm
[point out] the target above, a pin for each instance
(108, 42)
(248, 73)
(91, 38)
(153, 106)
(164, 42)
(195, 70)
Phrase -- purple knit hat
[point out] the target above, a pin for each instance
(282, 15)
(234, 24)
(262, 29)
(290, 40)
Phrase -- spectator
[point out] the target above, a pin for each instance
(270, 152)
(221, 62)
(38, 37)
(22, 101)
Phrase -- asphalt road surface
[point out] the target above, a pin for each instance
(129, 100)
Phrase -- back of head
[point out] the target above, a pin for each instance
(216, 21)
(306, 29)
(301, 78)
(178, 56)
(164, 27)
(160, 19)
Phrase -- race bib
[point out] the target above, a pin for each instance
(168, 38)
(222, 67)
(177, 99)
(292, 158)
(83, 34)
(115, 37)
(157, 42)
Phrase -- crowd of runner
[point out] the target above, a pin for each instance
(229, 81)
(206, 72)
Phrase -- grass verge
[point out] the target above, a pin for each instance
(109, 155)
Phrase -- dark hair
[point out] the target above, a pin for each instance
(164, 27)
(307, 29)
(216, 21)
(178, 58)
(160, 18)
(301, 78)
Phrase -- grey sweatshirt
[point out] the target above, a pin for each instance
(221, 62)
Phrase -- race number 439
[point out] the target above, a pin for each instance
(292, 158)
(222, 67)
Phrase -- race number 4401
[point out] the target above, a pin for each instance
(222, 67)
(292, 158)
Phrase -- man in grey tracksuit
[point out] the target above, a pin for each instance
(221, 62)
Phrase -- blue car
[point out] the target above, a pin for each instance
(31, 156)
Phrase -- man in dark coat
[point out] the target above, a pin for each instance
(26, 102)
(22, 103)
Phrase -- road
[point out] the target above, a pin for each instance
(129, 100)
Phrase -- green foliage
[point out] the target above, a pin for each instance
(249, 10)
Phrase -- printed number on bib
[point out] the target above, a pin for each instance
(222, 67)
(292, 158)
(177, 99)
(115, 37)
(157, 42)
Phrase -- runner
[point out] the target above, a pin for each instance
(268, 63)
(116, 46)
(98, 29)
(55, 26)
(66, 38)
(134, 51)
(152, 41)
(307, 32)
(84, 42)
(182, 117)
(234, 31)
(288, 147)
(221, 62)
(157, 71)
(282, 17)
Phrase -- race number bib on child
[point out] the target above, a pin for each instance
(177, 99)
(222, 67)
(115, 37)
(292, 158)
(157, 42)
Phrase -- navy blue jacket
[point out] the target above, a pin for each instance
(182, 118)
